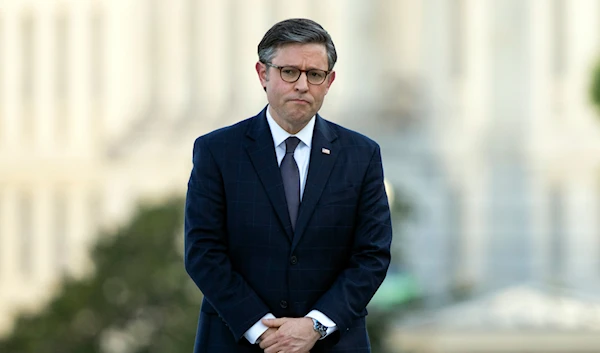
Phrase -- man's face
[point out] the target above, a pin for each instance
(293, 104)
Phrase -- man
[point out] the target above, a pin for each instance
(287, 224)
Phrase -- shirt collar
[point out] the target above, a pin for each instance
(280, 135)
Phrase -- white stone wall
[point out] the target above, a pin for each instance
(89, 91)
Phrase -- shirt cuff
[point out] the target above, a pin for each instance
(254, 332)
(323, 319)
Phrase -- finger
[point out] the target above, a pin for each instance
(264, 344)
(274, 348)
(268, 341)
(274, 322)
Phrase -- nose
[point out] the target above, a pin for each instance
(302, 83)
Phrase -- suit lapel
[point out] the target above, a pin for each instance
(259, 145)
(319, 169)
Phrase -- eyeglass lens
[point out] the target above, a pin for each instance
(291, 74)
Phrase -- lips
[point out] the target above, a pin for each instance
(299, 100)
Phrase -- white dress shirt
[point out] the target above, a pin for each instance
(302, 152)
(302, 157)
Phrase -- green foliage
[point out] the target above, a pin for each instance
(399, 293)
(380, 323)
(595, 87)
(139, 298)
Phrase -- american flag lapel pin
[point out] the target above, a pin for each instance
(325, 151)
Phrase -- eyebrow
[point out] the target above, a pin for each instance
(296, 67)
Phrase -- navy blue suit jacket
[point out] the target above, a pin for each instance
(242, 253)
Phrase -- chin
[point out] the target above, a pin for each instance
(303, 117)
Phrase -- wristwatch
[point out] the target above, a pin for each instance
(319, 327)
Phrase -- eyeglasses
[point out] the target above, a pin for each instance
(292, 74)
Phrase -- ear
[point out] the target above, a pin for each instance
(261, 70)
(330, 79)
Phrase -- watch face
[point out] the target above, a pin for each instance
(320, 328)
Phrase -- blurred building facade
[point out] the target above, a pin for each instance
(100, 102)
(480, 107)
(502, 167)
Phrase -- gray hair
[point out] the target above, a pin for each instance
(295, 30)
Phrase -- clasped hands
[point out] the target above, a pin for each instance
(288, 335)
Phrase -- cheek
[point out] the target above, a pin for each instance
(319, 94)
(274, 87)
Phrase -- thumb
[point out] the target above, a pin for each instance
(274, 322)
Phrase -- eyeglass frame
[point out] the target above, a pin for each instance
(327, 72)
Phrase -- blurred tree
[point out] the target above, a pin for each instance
(595, 87)
(399, 293)
(138, 299)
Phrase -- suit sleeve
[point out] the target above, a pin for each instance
(370, 257)
(206, 250)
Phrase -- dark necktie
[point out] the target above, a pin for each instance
(291, 178)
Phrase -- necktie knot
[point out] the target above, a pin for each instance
(291, 143)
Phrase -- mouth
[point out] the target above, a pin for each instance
(299, 101)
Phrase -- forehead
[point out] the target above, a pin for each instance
(298, 54)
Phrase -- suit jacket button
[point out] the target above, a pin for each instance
(293, 260)
(283, 304)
